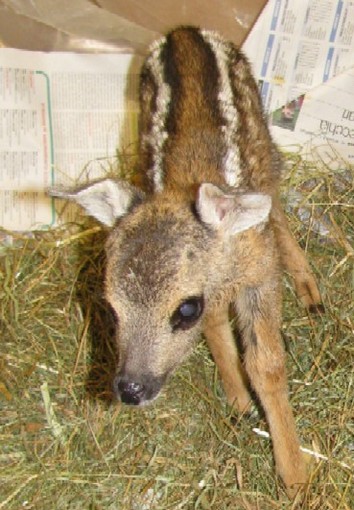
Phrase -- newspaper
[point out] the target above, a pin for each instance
(63, 118)
(305, 70)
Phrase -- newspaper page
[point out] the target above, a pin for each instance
(63, 117)
(305, 69)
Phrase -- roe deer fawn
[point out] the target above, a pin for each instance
(206, 232)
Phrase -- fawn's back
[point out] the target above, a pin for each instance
(201, 116)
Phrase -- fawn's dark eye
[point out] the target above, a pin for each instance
(187, 314)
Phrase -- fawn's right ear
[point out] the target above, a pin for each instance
(105, 200)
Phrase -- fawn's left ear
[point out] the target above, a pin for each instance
(230, 213)
(105, 200)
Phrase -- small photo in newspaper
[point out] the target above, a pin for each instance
(286, 116)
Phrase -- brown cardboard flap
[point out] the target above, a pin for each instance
(232, 18)
(116, 25)
(68, 24)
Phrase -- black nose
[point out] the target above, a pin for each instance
(131, 392)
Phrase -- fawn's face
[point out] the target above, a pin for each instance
(168, 261)
(157, 284)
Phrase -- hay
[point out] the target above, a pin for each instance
(66, 445)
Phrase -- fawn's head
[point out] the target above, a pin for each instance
(169, 259)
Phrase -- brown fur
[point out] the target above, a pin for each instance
(194, 245)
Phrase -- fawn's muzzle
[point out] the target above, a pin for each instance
(131, 392)
(135, 392)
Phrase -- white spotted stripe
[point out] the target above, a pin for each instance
(158, 134)
(231, 163)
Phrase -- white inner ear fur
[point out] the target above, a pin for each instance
(232, 213)
(105, 200)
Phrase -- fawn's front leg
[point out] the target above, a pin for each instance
(294, 260)
(221, 342)
(259, 320)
